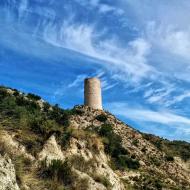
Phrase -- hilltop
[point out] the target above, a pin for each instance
(44, 147)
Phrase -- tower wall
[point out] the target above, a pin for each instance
(92, 93)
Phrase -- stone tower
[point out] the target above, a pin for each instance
(92, 93)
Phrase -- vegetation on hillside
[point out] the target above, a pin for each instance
(171, 148)
(34, 121)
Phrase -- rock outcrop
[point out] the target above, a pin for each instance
(82, 149)
(7, 174)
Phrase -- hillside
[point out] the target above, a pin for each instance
(44, 147)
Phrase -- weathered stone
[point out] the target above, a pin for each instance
(7, 174)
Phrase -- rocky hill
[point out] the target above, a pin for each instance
(44, 147)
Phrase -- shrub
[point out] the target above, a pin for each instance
(33, 96)
(113, 146)
(105, 130)
(60, 116)
(79, 163)
(76, 111)
(125, 161)
(102, 179)
(3, 149)
(175, 148)
(112, 141)
(169, 158)
(101, 118)
(82, 184)
(155, 161)
(66, 136)
(58, 171)
(16, 93)
(20, 164)
(3, 93)
(158, 184)
(46, 107)
(135, 142)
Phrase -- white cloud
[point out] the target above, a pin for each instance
(160, 95)
(106, 85)
(165, 117)
(179, 98)
(79, 79)
(170, 38)
(127, 62)
(101, 7)
(104, 8)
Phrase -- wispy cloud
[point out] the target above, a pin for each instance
(101, 7)
(106, 85)
(179, 98)
(129, 60)
(133, 44)
(160, 95)
(139, 114)
(79, 79)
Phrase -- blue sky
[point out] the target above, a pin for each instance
(139, 48)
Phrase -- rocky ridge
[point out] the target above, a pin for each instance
(82, 148)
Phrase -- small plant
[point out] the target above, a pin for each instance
(33, 96)
(101, 118)
(113, 146)
(65, 138)
(169, 158)
(123, 162)
(102, 179)
(20, 164)
(135, 142)
(60, 116)
(3, 149)
(16, 93)
(58, 171)
(3, 93)
(79, 163)
(155, 161)
(77, 111)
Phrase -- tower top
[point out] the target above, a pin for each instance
(92, 93)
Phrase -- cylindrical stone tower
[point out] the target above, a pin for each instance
(92, 93)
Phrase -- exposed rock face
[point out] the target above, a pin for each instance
(78, 155)
(80, 148)
(51, 151)
(13, 146)
(100, 165)
(151, 159)
(7, 174)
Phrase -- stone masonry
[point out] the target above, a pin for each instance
(92, 93)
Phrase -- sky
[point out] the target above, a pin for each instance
(140, 49)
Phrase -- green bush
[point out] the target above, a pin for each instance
(169, 158)
(60, 116)
(16, 93)
(102, 179)
(3, 149)
(155, 161)
(65, 138)
(174, 148)
(58, 171)
(101, 118)
(33, 97)
(135, 142)
(3, 93)
(113, 146)
(112, 141)
(105, 130)
(123, 162)
(79, 163)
